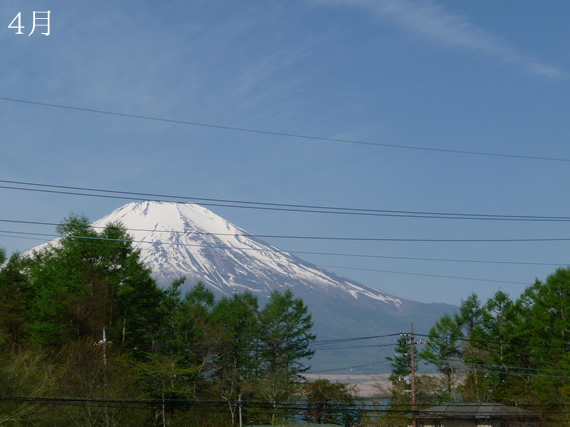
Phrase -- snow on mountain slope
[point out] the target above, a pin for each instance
(187, 240)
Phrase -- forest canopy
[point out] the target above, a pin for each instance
(513, 352)
(84, 319)
(83, 323)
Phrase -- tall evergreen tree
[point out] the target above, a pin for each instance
(240, 317)
(401, 379)
(285, 335)
(501, 348)
(89, 281)
(443, 351)
(332, 403)
(469, 320)
(14, 301)
(238, 362)
(285, 338)
(401, 362)
(547, 314)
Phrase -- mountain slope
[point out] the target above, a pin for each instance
(186, 240)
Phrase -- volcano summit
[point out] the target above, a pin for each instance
(187, 240)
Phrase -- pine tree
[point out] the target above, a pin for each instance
(401, 363)
(238, 362)
(401, 379)
(14, 300)
(285, 338)
(89, 281)
(332, 403)
(443, 351)
(469, 319)
(285, 335)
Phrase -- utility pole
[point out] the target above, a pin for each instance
(239, 404)
(413, 381)
(104, 343)
(106, 377)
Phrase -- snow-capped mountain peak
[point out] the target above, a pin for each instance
(187, 240)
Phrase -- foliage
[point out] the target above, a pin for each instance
(285, 335)
(399, 412)
(331, 403)
(14, 299)
(511, 351)
(443, 351)
(401, 363)
(401, 381)
(90, 281)
(24, 374)
(84, 325)
(84, 318)
(284, 339)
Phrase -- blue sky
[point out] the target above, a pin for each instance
(485, 77)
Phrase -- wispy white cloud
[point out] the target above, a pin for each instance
(432, 21)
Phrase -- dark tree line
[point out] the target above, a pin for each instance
(84, 319)
(514, 352)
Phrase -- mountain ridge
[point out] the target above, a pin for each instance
(187, 240)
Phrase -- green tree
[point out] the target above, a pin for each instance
(401, 380)
(166, 378)
(237, 364)
(240, 317)
(285, 335)
(470, 314)
(331, 403)
(88, 281)
(401, 362)
(469, 319)
(171, 306)
(442, 350)
(96, 372)
(546, 309)
(284, 348)
(517, 351)
(499, 340)
(199, 340)
(550, 317)
(14, 299)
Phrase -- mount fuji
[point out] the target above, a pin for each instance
(187, 240)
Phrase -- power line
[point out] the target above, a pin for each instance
(298, 237)
(502, 342)
(425, 275)
(280, 407)
(284, 134)
(475, 279)
(458, 363)
(353, 347)
(124, 195)
(514, 374)
(342, 340)
(347, 367)
(290, 251)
